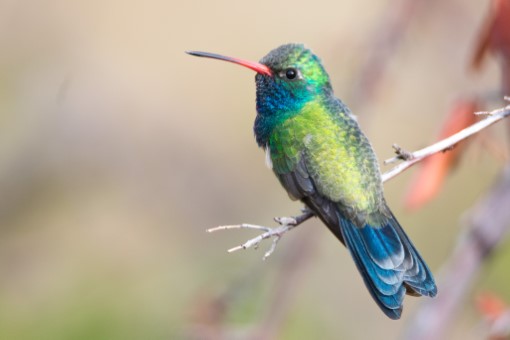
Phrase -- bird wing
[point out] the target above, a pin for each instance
(333, 170)
(324, 159)
(300, 185)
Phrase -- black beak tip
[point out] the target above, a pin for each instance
(194, 53)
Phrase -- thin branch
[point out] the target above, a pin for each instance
(411, 158)
(286, 224)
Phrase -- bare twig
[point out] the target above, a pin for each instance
(286, 224)
(411, 158)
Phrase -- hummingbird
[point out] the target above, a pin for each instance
(319, 154)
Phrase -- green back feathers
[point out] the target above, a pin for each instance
(338, 156)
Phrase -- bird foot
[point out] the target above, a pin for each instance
(285, 224)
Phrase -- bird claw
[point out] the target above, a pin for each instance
(285, 224)
(285, 221)
(273, 247)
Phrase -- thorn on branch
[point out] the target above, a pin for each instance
(402, 154)
(449, 148)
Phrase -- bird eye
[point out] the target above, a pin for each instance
(291, 73)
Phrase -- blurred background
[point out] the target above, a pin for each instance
(118, 151)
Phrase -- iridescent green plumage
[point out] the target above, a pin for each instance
(338, 155)
(322, 158)
(311, 122)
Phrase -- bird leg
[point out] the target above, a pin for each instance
(285, 224)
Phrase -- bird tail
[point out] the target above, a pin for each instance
(388, 262)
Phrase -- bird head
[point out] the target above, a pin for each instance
(287, 78)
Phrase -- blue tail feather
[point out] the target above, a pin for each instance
(388, 262)
(420, 277)
(384, 246)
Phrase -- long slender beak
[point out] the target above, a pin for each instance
(257, 67)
